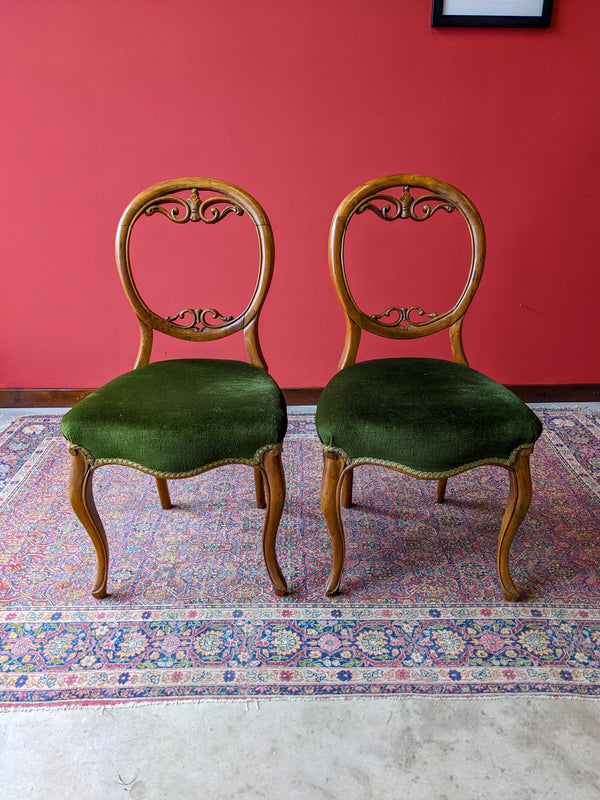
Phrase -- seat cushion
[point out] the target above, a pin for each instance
(427, 415)
(178, 416)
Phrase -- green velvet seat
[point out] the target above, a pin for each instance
(429, 417)
(176, 418)
(426, 417)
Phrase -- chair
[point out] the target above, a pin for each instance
(180, 417)
(426, 417)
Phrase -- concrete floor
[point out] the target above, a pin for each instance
(318, 749)
(405, 748)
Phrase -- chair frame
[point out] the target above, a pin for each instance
(336, 488)
(204, 325)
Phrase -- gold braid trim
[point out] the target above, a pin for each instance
(355, 462)
(255, 461)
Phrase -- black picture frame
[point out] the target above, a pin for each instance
(439, 19)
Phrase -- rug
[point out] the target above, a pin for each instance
(191, 613)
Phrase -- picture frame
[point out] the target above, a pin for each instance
(491, 13)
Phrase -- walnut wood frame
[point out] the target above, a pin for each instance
(269, 477)
(336, 487)
(363, 198)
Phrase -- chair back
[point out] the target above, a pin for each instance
(208, 202)
(391, 199)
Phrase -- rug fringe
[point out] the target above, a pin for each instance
(254, 704)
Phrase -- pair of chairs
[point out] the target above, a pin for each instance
(173, 419)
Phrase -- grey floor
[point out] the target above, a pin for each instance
(320, 749)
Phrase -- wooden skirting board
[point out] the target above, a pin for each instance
(301, 396)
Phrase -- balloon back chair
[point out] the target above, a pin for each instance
(426, 417)
(181, 417)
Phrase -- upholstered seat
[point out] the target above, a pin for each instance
(176, 418)
(429, 417)
(426, 417)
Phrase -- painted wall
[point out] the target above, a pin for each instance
(298, 101)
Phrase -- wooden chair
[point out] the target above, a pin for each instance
(430, 418)
(178, 418)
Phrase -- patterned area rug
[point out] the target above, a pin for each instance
(191, 613)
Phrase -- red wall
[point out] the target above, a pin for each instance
(298, 101)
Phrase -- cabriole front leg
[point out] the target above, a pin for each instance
(274, 479)
(519, 499)
(82, 502)
(331, 486)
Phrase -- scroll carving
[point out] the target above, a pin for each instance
(403, 319)
(405, 207)
(194, 209)
(199, 321)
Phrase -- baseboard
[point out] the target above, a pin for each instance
(559, 393)
(34, 398)
(64, 398)
(301, 396)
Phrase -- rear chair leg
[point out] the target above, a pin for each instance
(82, 502)
(274, 479)
(163, 493)
(259, 488)
(441, 490)
(347, 484)
(519, 499)
(331, 488)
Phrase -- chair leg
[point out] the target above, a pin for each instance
(347, 484)
(163, 493)
(274, 479)
(441, 490)
(519, 499)
(259, 488)
(82, 502)
(331, 488)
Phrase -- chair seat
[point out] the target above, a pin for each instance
(429, 416)
(177, 417)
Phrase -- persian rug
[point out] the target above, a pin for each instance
(191, 613)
